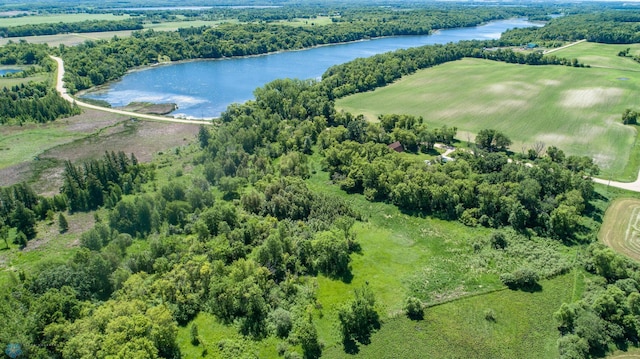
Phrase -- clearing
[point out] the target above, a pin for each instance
(621, 227)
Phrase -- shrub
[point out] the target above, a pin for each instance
(413, 308)
(490, 315)
(525, 278)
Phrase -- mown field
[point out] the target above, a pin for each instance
(575, 109)
(621, 228)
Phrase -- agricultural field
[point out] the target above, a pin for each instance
(56, 18)
(575, 109)
(621, 227)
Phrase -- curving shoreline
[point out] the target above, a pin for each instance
(65, 95)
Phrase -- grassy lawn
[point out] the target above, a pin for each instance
(575, 109)
(56, 18)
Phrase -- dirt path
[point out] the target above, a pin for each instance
(65, 95)
(563, 47)
(629, 186)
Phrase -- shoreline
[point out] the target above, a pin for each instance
(105, 87)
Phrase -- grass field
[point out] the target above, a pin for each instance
(523, 328)
(621, 227)
(56, 18)
(575, 109)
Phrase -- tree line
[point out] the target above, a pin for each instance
(609, 27)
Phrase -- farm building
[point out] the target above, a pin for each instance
(396, 146)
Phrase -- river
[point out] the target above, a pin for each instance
(204, 89)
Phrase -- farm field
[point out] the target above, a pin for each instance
(602, 55)
(621, 227)
(575, 109)
(56, 18)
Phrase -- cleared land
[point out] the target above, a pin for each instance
(621, 227)
(575, 109)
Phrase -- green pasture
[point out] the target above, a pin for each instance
(56, 18)
(575, 109)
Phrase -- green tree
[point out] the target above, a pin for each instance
(24, 220)
(63, 225)
(413, 308)
(359, 318)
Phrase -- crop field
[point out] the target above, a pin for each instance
(575, 109)
(621, 227)
(56, 18)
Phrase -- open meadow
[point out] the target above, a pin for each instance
(575, 109)
(36, 152)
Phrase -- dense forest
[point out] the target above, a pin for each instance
(244, 235)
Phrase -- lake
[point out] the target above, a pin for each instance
(204, 88)
(8, 71)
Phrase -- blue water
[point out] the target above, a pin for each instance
(8, 71)
(204, 89)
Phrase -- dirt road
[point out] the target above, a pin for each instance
(63, 92)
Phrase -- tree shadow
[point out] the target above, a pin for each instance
(350, 346)
(531, 288)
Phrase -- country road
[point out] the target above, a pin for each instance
(63, 92)
(563, 47)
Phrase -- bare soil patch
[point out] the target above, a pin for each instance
(151, 108)
(589, 97)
